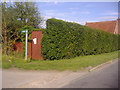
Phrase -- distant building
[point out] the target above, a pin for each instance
(108, 26)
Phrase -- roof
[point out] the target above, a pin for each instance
(108, 26)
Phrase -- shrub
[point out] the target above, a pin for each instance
(63, 40)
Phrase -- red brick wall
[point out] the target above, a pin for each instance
(35, 49)
(18, 47)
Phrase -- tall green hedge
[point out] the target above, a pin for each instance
(67, 40)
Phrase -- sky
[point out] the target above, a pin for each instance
(79, 12)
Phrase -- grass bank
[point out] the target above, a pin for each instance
(73, 64)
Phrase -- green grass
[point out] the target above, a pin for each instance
(73, 64)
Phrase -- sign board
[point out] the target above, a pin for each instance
(24, 31)
(35, 40)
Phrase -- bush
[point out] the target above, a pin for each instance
(63, 40)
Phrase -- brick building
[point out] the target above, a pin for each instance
(108, 26)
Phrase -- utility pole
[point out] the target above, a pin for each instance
(26, 40)
(26, 31)
(26, 44)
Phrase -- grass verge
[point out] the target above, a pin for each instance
(73, 64)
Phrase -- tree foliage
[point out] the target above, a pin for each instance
(28, 14)
(14, 17)
(10, 31)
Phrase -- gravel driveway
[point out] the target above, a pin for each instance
(15, 78)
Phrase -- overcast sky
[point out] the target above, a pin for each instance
(79, 12)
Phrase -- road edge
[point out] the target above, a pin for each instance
(100, 65)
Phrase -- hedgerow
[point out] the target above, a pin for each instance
(63, 40)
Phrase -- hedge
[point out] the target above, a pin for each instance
(64, 40)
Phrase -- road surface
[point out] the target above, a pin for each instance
(107, 77)
(0, 78)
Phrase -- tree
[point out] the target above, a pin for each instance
(28, 14)
(9, 27)
(14, 17)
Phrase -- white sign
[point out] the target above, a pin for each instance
(24, 31)
(35, 40)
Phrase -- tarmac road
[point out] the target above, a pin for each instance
(107, 77)
(0, 78)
